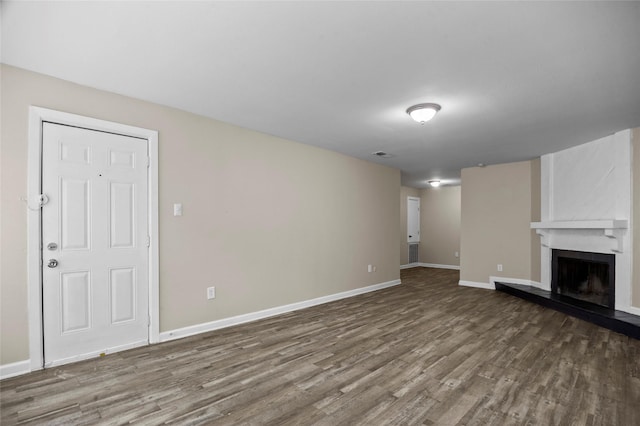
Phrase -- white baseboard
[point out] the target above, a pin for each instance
(437, 265)
(521, 281)
(487, 286)
(630, 310)
(410, 265)
(429, 265)
(491, 285)
(15, 369)
(253, 316)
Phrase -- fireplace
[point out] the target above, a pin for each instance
(589, 277)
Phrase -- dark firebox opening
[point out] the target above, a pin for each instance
(589, 277)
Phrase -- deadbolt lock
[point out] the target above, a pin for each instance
(52, 246)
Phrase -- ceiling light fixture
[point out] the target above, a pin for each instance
(423, 112)
(382, 154)
(434, 183)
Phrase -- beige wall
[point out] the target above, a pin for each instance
(536, 211)
(497, 209)
(635, 285)
(267, 221)
(405, 192)
(440, 225)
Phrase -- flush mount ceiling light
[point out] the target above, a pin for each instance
(382, 154)
(422, 113)
(434, 183)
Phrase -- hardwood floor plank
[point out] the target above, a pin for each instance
(427, 352)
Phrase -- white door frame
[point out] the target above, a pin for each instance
(37, 116)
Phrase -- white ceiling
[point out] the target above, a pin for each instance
(515, 79)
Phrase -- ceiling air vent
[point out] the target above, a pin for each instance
(382, 154)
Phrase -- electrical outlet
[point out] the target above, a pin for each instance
(499, 267)
(211, 292)
(457, 254)
(370, 268)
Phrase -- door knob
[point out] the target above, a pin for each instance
(52, 263)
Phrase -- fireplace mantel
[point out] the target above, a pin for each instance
(582, 224)
(612, 228)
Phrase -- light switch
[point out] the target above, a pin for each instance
(177, 209)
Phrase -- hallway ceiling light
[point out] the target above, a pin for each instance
(434, 183)
(422, 113)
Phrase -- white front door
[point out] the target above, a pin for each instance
(95, 243)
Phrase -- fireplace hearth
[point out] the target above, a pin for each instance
(584, 276)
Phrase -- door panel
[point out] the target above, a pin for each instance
(95, 299)
(122, 159)
(123, 295)
(76, 301)
(74, 212)
(122, 210)
(75, 152)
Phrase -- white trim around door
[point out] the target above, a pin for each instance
(37, 116)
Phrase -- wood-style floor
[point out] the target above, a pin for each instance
(425, 352)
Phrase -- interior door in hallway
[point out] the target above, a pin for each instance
(95, 243)
(413, 220)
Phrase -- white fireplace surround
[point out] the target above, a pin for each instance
(586, 206)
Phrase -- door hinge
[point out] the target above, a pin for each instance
(148, 241)
(148, 161)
